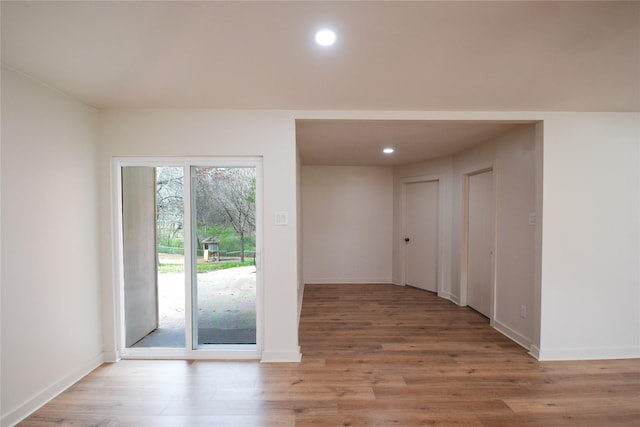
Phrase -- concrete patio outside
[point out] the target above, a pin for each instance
(226, 307)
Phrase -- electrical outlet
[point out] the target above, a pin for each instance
(523, 311)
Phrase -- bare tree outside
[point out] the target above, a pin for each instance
(225, 208)
(226, 197)
(170, 206)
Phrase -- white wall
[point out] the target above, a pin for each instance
(51, 332)
(512, 155)
(217, 133)
(515, 249)
(590, 256)
(348, 218)
(300, 231)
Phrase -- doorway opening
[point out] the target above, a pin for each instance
(450, 150)
(190, 236)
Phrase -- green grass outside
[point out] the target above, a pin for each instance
(202, 268)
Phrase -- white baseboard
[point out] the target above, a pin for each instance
(534, 351)
(43, 397)
(222, 352)
(454, 299)
(447, 295)
(347, 281)
(300, 299)
(281, 356)
(111, 356)
(513, 335)
(605, 353)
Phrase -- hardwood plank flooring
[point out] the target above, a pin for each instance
(373, 355)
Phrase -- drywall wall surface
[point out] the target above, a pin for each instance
(209, 133)
(590, 284)
(51, 333)
(300, 231)
(348, 218)
(539, 220)
(515, 234)
(512, 158)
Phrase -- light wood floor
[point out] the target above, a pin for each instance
(373, 355)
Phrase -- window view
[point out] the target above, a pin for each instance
(222, 257)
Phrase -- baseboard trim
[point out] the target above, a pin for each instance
(281, 356)
(454, 299)
(513, 335)
(300, 299)
(446, 295)
(18, 414)
(534, 351)
(607, 353)
(111, 356)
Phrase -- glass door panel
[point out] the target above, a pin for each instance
(171, 257)
(194, 290)
(153, 256)
(223, 218)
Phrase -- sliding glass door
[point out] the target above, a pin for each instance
(189, 233)
(224, 235)
(153, 256)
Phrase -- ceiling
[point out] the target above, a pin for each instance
(360, 142)
(390, 56)
(393, 55)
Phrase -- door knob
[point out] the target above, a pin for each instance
(406, 239)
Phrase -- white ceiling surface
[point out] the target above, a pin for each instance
(360, 142)
(430, 56)
(560, 56)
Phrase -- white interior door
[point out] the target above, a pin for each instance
(480, 242)
(421, 235)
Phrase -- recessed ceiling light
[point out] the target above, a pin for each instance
(325, 37)
(388, 150)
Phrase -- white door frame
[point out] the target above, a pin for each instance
(464, 283)
(403, 227)
(244, 351)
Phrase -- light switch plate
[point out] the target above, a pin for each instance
(281, 218)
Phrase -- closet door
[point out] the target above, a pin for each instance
(481, 214)
(421, 235)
